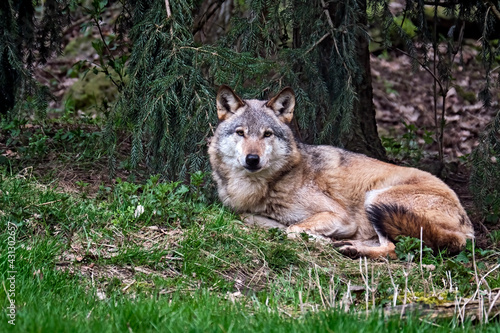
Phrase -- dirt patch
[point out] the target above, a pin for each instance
(89, 258)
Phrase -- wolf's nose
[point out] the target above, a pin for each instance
(252, 160)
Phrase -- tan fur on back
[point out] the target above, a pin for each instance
(325, 191)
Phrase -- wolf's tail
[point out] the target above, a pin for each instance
(392, 220)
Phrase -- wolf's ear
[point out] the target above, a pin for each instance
(283, 104)
(227, 103)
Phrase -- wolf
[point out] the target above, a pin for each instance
(358, 203)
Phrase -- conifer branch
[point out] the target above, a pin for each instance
(213, 53)
(169, 14)
(167, 6)
(200, 49)
(317, 43)
(332, 26)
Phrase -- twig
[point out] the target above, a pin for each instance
(104, 68)
(43, 204)
(128, 286)
(488, 273)
(461, 315)
(374, 290)
(257, 273)
(323, 298)
(167, 6)
(169, 15)
(330, 22)
(432, 284)
(317, 43)
(327, 13)
(214, 256)
(493, 8)
(364, 277)
(394, 285)
(405, 299)
(436, 79)
(429, 322)
(421, 271)
(434, 70)
(301, 304)
(474, 263)
(346, 301)
(492, 304)
(449, 280)
(333, 294)
(441, 127)
(478, 281)
(103, 38)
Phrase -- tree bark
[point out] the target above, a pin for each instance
(363, 137)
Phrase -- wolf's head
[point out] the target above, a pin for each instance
(253, 135)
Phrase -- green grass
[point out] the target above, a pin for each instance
(95, 264)
(59, 303)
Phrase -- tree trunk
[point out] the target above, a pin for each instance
(363, 135)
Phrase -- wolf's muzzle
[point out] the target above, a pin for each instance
(252, 162)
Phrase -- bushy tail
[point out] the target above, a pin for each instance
(392, 220)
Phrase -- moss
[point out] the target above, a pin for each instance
(81, 45)
(469, 96)
(407, 25)
(438, 299)
(376, 33)
(425, 298)
(92, 91)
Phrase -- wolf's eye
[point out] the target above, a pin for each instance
(267, 134)
(240, 132)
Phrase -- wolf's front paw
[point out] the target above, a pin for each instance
(338, 244)
(349, 251)
(294, 232)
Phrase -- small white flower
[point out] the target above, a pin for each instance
(100, 295)
(139, 210)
